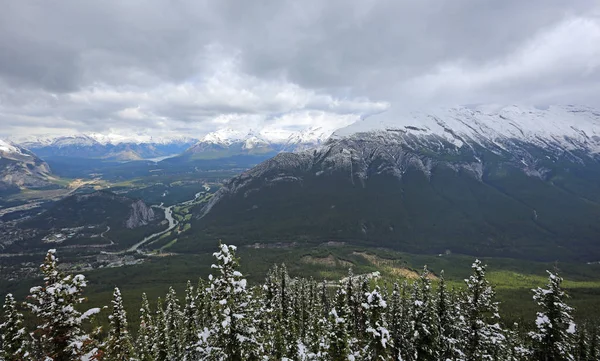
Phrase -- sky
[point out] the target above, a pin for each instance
(170, 68)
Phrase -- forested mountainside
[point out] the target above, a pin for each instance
(224, 318)
(474, 181)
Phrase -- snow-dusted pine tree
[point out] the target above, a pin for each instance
(173, 327)
(14, 339)
(594, 351)
(514, 346)
(582, 347)
(395, 321)
(553, 339)
(316, 341)
(286, 316)
(118, 346)
(146, 332)
(407, 348)
(267, 317)
(159, 338)
(190, 324)
(425, 320)
(60, 336)
(378, 342)
(232, 336)
(203, 311)
(451, 322)
(446, 321)
(339, 337)
(484, 337)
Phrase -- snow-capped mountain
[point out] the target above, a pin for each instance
(229, 141)
(107, 146)
(20, 168)
(561, 127)
(478, 180)
(86, 139)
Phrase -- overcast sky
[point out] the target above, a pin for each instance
(190, 67)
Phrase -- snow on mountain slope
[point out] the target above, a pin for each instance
(567, 127)
(89, 139)
(19, 168)
(107, 146)
(529, 139)
(7, 147)
(226, 136)
(275, 139)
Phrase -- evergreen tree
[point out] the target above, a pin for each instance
(60, 336)
(484, 336)
(190, 323)
(581, 353)
(554, 336)
(446, 322)
(159, 339)
(286, 316)
(173, 327)
(378, 340)
(514, 349)
(203, 311)
(304, 309)
(425, 320)
(231, 336)
(267, 317)
(407, 347)
(594, 352)
(317, 324)
(13, 336)
(339, 345)
(118, 346)
(146, 332)
(396, 324)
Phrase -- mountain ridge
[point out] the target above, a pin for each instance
(499, 195)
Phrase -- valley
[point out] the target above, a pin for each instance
(379, 198)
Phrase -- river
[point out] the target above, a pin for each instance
(172, 224)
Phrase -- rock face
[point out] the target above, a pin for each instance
(96, 208)
(465, 180)
(20, 168)
(140, 215)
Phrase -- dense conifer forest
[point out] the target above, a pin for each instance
(284, 318)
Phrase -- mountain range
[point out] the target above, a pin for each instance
(501, 181)
(229, 141)
(108, 147)
(224, 142)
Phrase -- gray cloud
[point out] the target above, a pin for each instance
(193, 66)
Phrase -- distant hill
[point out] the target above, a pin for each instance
(514, 182)
(101, 207)
(22, 169)
(100, 218)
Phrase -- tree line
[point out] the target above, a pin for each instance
(284, 318)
